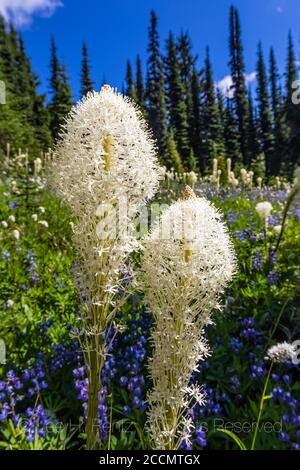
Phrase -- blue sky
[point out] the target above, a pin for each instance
(117, 30)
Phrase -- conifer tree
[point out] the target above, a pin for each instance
(173, 159)
(280, 129)
(231, 139)
(292, 112)
(291, 71)
(155, 91)
(6, 58)
(264, 112)
(187, 64)
(22, 123)
(186, 60)
(61, 100)
(195, 118)
(139, 84)
(211, 126)
(252, 131)
(239, 85)
(85, 79)
(130, 88)
(176, 103)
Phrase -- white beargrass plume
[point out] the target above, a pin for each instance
(187, 261)
(191, 178)
(259, 182)
(105, 167)
(263, 209)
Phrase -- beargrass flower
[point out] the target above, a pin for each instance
(264, 209)
(44, 223)
(188, 259)
(16, 234)
(105, 168)
(281, 352)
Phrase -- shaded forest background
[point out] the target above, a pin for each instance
(192, 119)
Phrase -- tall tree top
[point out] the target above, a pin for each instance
(291, 70)
(86, 81)
(130, 88)
(54, 66)
(139, 84)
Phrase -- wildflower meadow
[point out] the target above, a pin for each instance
(148, 301)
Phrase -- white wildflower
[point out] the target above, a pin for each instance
(12, 218)
(192, 178)
(264, 209)
(37, 167)
(41, 209)
(4, 224)
(187, 261)
(277, 228)
(281, 352)
(34, 217)
(105, 167)
(259, 181)
(16, 234)
(44, 223)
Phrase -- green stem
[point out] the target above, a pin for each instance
(289, 201)
(110, 422)
(261, 406)
(277, 321)
(93, 402)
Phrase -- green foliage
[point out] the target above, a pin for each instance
(176, 102)
(24, 118)
(61, 99)
(264, 112)
(155, 90)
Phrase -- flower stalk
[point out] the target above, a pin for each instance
(105, 168)
(187, 261)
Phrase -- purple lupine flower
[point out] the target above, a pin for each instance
(273, 278)
(257, 260)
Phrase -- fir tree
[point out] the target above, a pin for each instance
(238, 80)
(291, 71)
(194, 120)
(6, 57)
(252, 131)
(130, 88)
(231, 139)
(280, 130)
(139, 84)
(20, 123)
(187, 64)
(211, 125)
(61, 101)
(264, 112)
(186, 59)
(292, 111)
(85, 79)
(155, 91)
(173, 159)
(176, 103)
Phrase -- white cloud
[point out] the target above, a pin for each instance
(225, 85)
(21, 11)
(250, 77)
